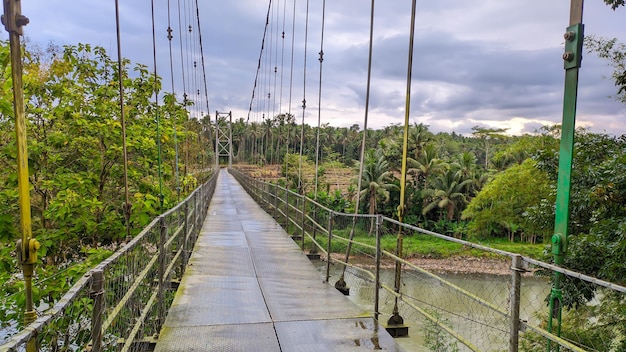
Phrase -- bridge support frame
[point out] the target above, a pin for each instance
(223, 137)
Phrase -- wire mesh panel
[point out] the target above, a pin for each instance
(121, 304)
(592, 317)
(450, 308)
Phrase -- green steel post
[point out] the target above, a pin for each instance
(572, 58)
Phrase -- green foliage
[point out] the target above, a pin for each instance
(447, 193)
(298, 174)
(76, 163)
(615, 53)
(377, 180)
(435, 338)
(335, 200)
(500, 206)
(614, 3)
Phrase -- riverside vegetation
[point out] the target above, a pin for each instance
(487, 186)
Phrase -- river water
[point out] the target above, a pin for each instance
(482, 326)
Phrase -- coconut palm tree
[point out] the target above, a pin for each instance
(426, 164)
(447, 193)
(376, 182)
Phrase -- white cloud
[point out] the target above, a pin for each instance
(487, 62)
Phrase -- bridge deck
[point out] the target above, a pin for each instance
(249, 287)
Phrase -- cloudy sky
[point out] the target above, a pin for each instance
(491, 63)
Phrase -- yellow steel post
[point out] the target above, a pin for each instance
(396, 319)
(13, 21)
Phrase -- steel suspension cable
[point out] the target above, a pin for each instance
(206, 91)
(127, 206)
(396, 319)
(275, 136)
(293, 41)
(268, 58)
(185, 96)
(341, 284)
(282, 71)
(256, 78)
(170, 37)
(156, 110)
(306, 37)
(319, 101)
(194, 86)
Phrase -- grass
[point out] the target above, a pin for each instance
(423, 246)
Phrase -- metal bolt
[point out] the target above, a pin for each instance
(569, 36)
(21, 20)
(568, 56)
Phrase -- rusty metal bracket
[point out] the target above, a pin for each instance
(13, 20)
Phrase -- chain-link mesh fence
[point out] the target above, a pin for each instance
(503, 308)
(121, 304)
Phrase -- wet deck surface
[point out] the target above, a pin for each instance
(249, 287)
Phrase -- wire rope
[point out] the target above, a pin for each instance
(275, 136)
(293, 39)
(183, 66)
(170, 37)
(341, 282)
(258, 70)
(306, 38)
(127, 206)
(206, 91)
(319, 102)
(156, 110)
(396, 319)
(282, 72)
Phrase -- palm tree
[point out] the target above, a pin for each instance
(446, 193)
(426, 164)
(418, 137)
(376, 181)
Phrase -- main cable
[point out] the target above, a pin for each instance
(256, 79)
(206, 91)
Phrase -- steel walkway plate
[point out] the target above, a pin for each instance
(249, 287)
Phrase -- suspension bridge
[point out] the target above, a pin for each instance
(225, 270)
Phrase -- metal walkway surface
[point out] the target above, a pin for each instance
(249, 287)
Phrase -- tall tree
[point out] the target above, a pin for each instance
(447, 192)
(377, 180)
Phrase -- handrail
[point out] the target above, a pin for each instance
(188, 229)
(267, 194)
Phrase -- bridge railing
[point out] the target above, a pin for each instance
(454, 313)
(121, 304)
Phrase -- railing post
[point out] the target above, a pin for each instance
(377, 269)
(516, 281)
(275, 201)
(198, 217)
(286, 209)
(162, 265)
(313, 250)
(185, 246)
(328, 245)
(97, 291)
(303, 219)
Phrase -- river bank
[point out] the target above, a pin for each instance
(450, 265)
